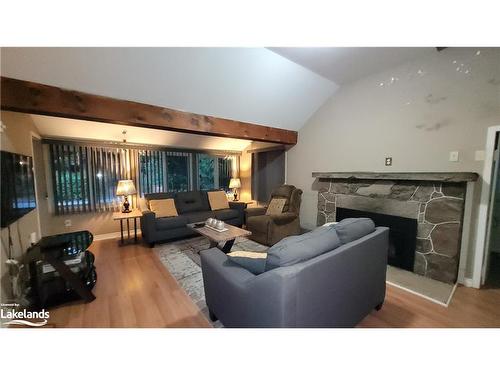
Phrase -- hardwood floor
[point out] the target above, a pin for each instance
(135, 290)
(468, 308)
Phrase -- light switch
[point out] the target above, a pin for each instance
(479, 155)
(388, 161)
(453, 155)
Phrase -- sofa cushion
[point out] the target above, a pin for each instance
(196, 217)
(351, 229)
(165, 223)
(163, 207)
(227, 214)
(253, 261)
(296, 249)
(151, 196)
(218, 200)
(189, 201)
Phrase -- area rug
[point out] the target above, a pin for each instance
(182, 260)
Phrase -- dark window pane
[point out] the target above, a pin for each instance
(177, 172)
(206, 169)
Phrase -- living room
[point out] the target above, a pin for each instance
(250, 187)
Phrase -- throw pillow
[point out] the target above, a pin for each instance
(252, 261)
(218, 200)
(163, 207)
(276, 206)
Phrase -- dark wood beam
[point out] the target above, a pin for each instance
(36, 98)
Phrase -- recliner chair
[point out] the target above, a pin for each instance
(269, 229)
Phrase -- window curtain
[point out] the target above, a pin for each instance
(84, 178)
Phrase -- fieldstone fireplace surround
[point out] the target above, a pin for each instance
(435, 200)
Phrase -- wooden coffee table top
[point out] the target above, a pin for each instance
(228, 235)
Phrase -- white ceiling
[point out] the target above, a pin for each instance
(346, 64)
(247, 84)
(279, 87)
(54, 127)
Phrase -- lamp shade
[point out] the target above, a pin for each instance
(234, 183)
(125, 187)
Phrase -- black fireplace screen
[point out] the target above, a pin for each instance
(402, 235)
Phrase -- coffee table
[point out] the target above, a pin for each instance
(227, 237)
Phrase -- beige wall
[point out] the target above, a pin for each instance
(245, 175)
(427, 111)
(16, 137)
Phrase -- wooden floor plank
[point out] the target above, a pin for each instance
(134, 289)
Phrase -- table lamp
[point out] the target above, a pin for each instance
(234, 184)
(125, 188)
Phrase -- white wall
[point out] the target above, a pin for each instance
(417, 119)
(246, 84)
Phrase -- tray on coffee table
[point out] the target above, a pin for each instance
(215, 237)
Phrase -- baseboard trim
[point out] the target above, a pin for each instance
(468, 282)
(111, 236)
(422, 295)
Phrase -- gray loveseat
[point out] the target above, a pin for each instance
(330, 277)
(192, 207)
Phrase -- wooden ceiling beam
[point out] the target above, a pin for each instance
(30, 97)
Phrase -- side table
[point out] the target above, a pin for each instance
(134, 214)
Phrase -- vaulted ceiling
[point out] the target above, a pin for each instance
(346, 64)
(278, 87)
(252, 85)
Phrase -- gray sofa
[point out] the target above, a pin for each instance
(318, 279)
(192, 207)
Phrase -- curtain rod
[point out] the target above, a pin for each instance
(136, 146)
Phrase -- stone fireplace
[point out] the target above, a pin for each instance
(434, 202)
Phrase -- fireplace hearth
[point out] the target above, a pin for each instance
(402, 235)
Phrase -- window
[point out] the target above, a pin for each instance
(84, 177)
(178, 171)
(206, 172)
(214, 172)
(70, 178)
(152, 172)
(225, 172)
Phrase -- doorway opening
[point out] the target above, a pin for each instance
(492, 259)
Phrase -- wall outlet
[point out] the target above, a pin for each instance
(453, 155)
(67, 223)
(388, 161)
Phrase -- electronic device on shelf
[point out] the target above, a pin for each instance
(61, 269)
